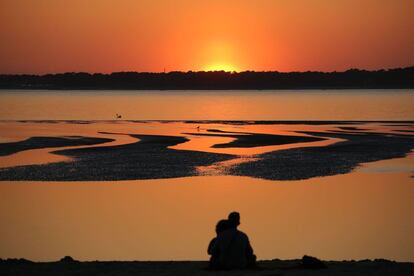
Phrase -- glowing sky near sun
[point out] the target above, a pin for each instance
(152, 35)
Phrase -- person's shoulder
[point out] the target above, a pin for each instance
(229, 231)
(225, 234)
(242, 234)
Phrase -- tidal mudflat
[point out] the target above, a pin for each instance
(270, 151)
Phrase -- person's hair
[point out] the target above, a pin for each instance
(222, 225)
(234, 219)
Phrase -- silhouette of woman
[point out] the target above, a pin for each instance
(221, 226)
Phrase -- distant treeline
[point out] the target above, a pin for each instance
(351, 79)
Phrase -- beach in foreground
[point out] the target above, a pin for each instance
(267, 268)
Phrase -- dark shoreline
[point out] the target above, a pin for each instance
(398, 78)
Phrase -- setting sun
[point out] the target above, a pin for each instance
(186, 35)
(220, 55)
(221, 67)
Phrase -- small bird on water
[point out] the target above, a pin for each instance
(118, 116)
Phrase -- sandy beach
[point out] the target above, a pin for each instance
(379, 267)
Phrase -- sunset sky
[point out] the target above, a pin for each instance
(49, 36)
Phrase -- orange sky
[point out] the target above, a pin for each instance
(44, 36)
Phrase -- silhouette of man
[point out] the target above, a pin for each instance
(232, 247)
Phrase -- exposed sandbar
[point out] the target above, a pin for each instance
(249, 140)
(148, 158)
(151, 157)
(49, 142)
(339, 158)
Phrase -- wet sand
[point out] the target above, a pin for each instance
(48, 142)
(339, 158)
(149, 158)
(249, 140)
(268, 268)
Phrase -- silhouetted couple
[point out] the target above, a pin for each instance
(231, 248)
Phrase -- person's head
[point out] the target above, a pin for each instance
(222, 225)
(234, 219)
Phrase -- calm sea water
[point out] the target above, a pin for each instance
(208, 105)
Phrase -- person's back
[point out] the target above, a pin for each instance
(232, 246)
(221, 226)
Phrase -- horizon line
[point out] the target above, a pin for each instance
(204, 71)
